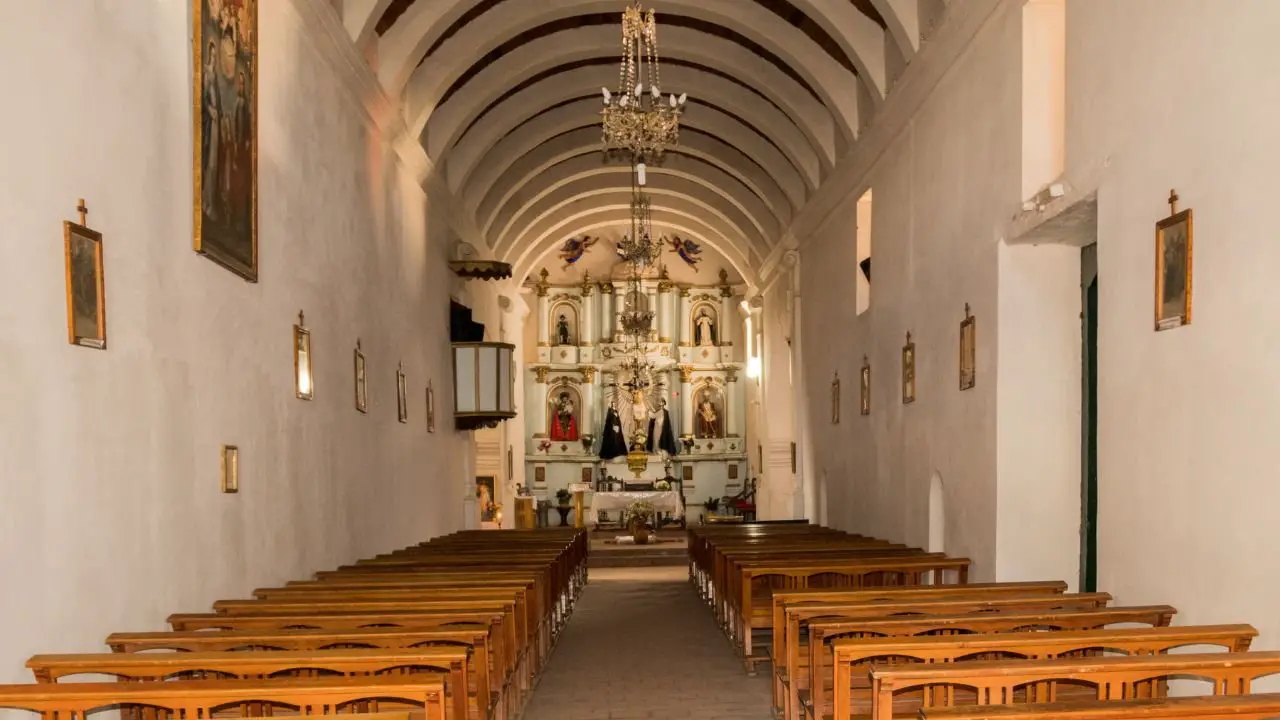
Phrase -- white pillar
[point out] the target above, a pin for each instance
(588, 337)
(686, 329)
(805, 476)
(652, 294)
(588, 401)
(724, 333)
(606, 312)
(686, 400)
(544, 332)
(731, 403)
(664, 311)
(537, 410)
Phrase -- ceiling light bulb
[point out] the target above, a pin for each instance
(608, 97)
(656, 92)
(639, 89)
(640, 173)
(673, 99)
(683, 97)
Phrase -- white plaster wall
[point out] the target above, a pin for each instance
(1188, 418)
(110, 514)
(943, 184)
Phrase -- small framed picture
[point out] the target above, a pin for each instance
(302, 381)
(909, 371)
(230, 469)
(86, 291)
(431, 409)
(968, 350)
(1173, 268)
(835, 400)
(362, 381)
(402, 400)
(864, 405)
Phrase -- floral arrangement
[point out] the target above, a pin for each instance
(662, 485)
(544, 446)
(641, 510)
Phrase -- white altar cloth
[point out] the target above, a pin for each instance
(662, 500)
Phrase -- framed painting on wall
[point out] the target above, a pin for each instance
(86, 287)
(864, 388)
(230, 469)
(303, 386)
(402, 400)
(968, 350)
(431, 409)
(225, 79)
(909, 371)
(835, 400)
(1173, 268)
(362, 381)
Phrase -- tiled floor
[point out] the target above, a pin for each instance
(641, 645)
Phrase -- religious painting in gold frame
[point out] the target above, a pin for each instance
(864, 404)
(402, 399)
(229, 466)
(225, 90)
(362, 380)
(968, 350)
(908, 371)
(835, 400)
(1173, 267)
(86, 286)
(303, 382)
(431, 409)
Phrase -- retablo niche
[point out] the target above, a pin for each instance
(483, 384)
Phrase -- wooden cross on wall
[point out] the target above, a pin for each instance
(84, 213)
(1173, 202)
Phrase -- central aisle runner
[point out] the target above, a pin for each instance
(641, 645)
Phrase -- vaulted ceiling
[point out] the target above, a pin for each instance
(504, 95)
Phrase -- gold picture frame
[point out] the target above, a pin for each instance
(402, 399)
(968, 350)
(431, 409)
(908, 371)
(225, 159)
(229, 469)
(1174, 254)
(864, 405)
(303, 380)
(86, 284)
(835, 400)
(362, 380)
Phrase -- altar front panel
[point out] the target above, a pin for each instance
(662, 500)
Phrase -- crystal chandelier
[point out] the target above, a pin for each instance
(640, 124)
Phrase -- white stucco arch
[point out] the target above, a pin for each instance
(753, 190)
(668, 192)
(421, 86)
(481, 163)
(510, 161)
(903, 19)
(559, 180)
(454, 116)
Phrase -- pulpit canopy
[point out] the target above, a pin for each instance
(483, 384)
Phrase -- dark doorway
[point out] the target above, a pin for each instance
(1089, 429)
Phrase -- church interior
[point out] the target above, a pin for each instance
(520, 359)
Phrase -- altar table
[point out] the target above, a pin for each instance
(662, 500)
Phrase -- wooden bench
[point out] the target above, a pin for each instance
(207, 698)
(154, 667)
(998, 682)
(1262, 706)
(820, 631)
(472, 637)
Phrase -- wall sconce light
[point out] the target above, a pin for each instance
(302, 381)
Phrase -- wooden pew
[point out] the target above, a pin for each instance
(473, 637)
(997, 682)
(1262, 706)
(450, 662)
(235, 698)
(820, 631)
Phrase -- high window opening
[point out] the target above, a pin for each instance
(863, 242)
(1044, 93)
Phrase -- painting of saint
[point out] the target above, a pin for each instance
(85, 303)
(909, 371)
(226, 135)
(1173, 271)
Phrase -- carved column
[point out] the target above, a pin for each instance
(544, 332)
(588, 401)
(686, 326)
(686, 400)
(664, 308)
(732, 419)
(606, 312)
(538, 408)
(652, 293)
(588, 337)
(725, 332)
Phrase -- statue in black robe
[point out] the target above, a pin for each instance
(612, 443)
(661, 436)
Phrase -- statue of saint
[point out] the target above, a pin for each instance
(562, 332)
(708, 420)
(705, 331)
(564, 426)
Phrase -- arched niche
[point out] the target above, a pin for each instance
(562, 426)
(699, 329)
(709, 391)
(571, 331)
